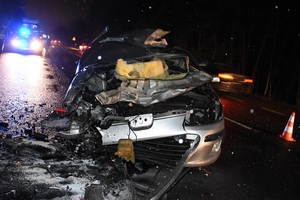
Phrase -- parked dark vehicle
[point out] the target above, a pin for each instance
(147, 105)
(230, 79)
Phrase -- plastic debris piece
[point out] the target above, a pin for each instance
(61, 110)
(3, 126)
(125, 150)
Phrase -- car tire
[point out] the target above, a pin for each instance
(5, 48)
(2, 48)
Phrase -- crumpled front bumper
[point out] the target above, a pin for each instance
(166, 145)
(147, 128)
(209, 147)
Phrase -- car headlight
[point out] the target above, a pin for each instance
(36, 45)
(210, 112)
(17, 43)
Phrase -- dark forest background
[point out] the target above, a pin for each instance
(259, 38)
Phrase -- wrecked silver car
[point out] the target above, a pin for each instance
(144, 103)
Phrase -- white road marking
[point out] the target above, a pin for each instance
(238, 123)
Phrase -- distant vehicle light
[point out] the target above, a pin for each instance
(55, 42)
(83, 47)
(247, 80)
(226, 76)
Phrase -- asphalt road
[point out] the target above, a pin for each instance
(255, 162)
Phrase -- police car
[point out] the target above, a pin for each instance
(23, 36)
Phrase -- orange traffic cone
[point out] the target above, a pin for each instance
(288, 131)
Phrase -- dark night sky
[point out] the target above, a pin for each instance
(56, 13)
(61, 12)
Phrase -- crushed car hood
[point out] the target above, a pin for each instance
(146, 92)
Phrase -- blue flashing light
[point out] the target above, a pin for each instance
(24, 31)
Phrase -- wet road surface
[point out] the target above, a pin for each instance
(28, 78)
(29, 90)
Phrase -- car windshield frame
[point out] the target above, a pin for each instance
(184, 65)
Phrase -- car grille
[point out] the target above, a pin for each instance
(165, 151)
(160, 164)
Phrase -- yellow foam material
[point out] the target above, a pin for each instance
(125, 150)
(153, 69)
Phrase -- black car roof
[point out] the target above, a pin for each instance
(136, 36)
(129, 45)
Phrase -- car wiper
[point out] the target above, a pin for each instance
(100, 35)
